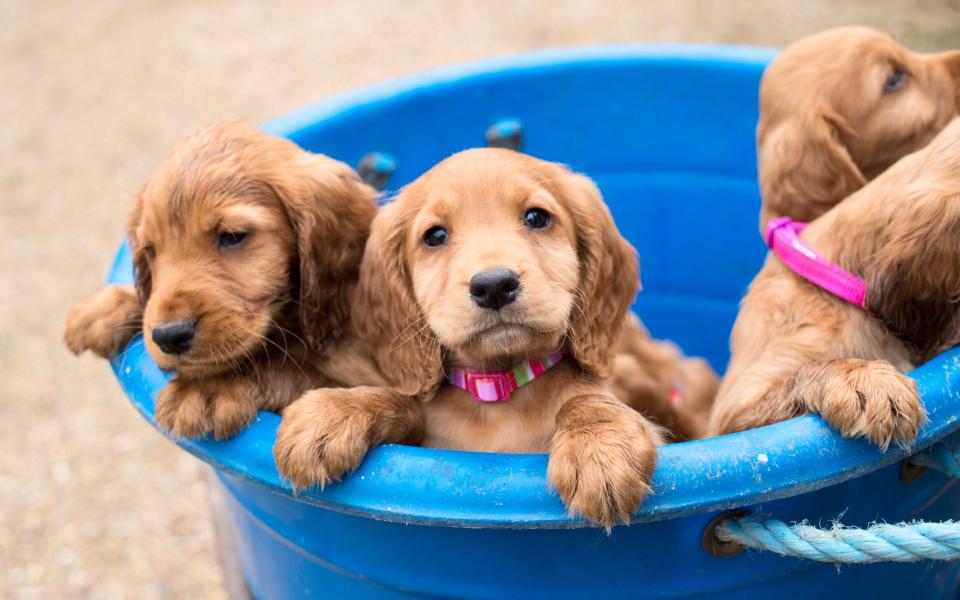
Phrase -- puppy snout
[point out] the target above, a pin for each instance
(174, 338)
(495, 288)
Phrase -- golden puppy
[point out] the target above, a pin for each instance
(799, 349)
(245, 250)
(490, 259)
(839, 107)
(655, 378)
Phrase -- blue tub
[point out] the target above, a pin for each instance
(668, 133)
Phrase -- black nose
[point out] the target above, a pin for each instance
(174, 338)
(495, 288)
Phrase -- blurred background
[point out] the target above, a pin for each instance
(93, 502)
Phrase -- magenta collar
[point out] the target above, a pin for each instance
(801, 259)
(496, 386)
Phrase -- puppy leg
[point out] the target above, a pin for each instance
(602, 458)
(752, 395)
(326, 433)
(222, 406)
(867, 398)
(105, 321)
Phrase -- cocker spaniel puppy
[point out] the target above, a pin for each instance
(653, 376)
(493, 288)
(246, 249)
(797, 348)
(839, 107)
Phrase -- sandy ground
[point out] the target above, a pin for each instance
(93, 503)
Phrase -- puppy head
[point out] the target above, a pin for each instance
(838, 108)
(905, 238)
(239, 235)
(490, 258)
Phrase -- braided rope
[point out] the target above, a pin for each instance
(881, 542)
(905, 542)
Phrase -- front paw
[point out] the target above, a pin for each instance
(602, 459)
(870, 399)
(104, 322)
(324, 435)
(195, 407)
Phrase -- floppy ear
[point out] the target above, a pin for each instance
(385, 311)
(804, 167)
(330, 210)
(913, 285)
(609, 276)
(951, 60)
(141, 263)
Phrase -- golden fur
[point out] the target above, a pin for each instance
(655, 378)
(578, 277)
(828, 125)
(798, 349)
(271, 311)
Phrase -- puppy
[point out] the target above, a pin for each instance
(489, 260)
(245, 250)
(839, 107)
(655, 378)
(799, 349)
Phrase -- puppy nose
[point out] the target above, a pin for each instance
(174, 338)
(495, 288)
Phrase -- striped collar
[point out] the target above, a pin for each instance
(496, 386)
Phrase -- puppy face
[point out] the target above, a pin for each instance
(894, 100)
(238, 236)
(219, 266)
(840, 107)
(490, 258)
(493, 259)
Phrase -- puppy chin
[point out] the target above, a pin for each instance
(165, 362)
(196, 365)
(190, 364)
(507, 342)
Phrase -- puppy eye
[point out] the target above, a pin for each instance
(436, 236)
(896, 80)
(150, 252)
(536, 218)
(229, 239)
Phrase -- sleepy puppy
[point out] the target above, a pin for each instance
(245, 250)
(839, 107)
(798, 349)
(492, 262)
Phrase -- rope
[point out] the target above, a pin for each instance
(905, 542)
(881, 542)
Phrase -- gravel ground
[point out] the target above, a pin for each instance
(93, 503)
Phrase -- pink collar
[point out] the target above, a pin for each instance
(496, 386)
(801, 259)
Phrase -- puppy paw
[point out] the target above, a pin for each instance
(104, 322)
(192, 408)
(602, 459)
(869, 399)
(323, 436)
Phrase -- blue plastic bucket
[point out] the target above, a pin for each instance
(668, 133)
